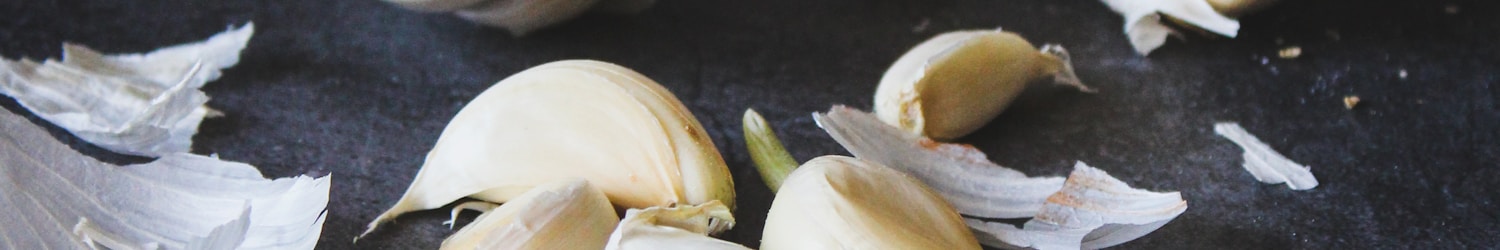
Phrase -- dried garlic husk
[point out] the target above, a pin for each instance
(53, 197)
(607, 124)
(681, 227)
(1145, 20)
(567, 214)
(1093, 210)
(973, 184)
(838, 202)
(139, 104)
(523, 16)
(1089, 210)
(954, 83)
(1265, 163)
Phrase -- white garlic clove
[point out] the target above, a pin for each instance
(567, 214)
(839, 202)
(954, 83)
(593, 120)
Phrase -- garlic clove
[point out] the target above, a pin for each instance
(566, 214)
(839, 202)
(621, 131)
(681, 227)
(953, 84)
(523, 16)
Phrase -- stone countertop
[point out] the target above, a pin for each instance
(361, 89)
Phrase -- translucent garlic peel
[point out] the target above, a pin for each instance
(607, 124)
(838, 202)
(1145, 26)
(954, 83)
(963, 175)
(53, 197)
(681, 227)
(567, 214)
(139, 104)
(1093, 210)
(1265, 163)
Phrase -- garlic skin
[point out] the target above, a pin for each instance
(621, 131)
(953, 84)
(681, 227)
(839, 202)
(567, 214)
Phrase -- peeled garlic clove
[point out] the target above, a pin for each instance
(954, 83)
(567, 214)
(839, 202)
(682, 227)
(523, 16)
(607, 124)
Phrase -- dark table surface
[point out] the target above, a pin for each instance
(360, 89)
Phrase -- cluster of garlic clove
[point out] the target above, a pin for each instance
(523, 16)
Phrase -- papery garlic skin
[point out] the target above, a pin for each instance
(567, 214)
(671, 228)
(1145, 20)
(621, 131)
(953, 84)
(839, 202)
(145, 104)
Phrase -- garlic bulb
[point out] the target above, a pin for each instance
(839, 202)
(681, 227)
(593, 120)
(954, 83)
(523, 16)
(567, 214)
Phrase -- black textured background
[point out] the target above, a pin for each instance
(361, 89)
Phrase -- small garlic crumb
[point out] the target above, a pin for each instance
(922, 26)
(1402, 74)
(1450, 9)
(1290, 52)
(1350, 101)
